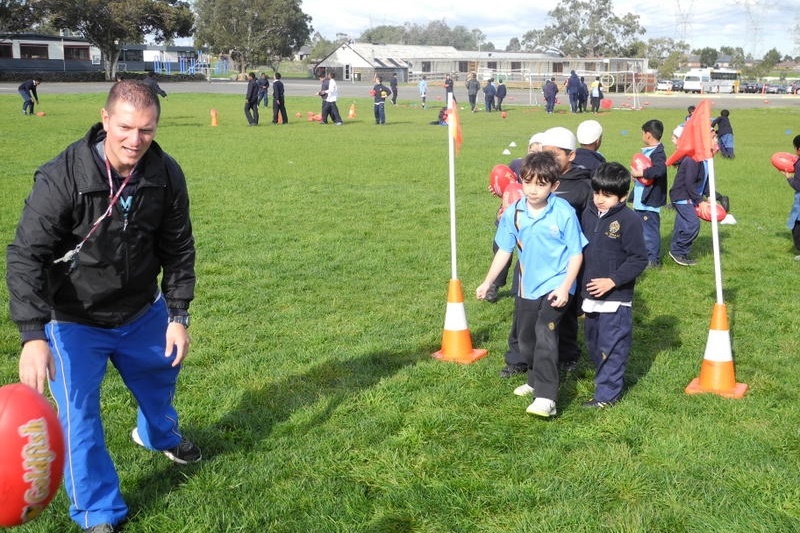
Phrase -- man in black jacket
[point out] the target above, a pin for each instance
(251, 100)
(104, 220)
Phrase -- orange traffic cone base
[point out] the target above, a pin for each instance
(738, 391)
(464, 358)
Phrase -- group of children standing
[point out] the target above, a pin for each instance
(580, 250)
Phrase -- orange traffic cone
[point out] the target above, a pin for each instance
(456, 340)
(352, 113)
(213, 117)
(717, 374)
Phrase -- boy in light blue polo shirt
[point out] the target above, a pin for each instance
(545, 231)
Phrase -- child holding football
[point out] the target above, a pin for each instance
(793, 179)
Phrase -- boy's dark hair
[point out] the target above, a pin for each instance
(796, 142)
(654, 127)
(611, 178)
(277, 75)
(691, 109)
(725, 113)
(541, 167)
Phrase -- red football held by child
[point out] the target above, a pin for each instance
(783, 161)
(499, 178)
(703, 210)
(512, 193)
(640, 162)
(31, 454)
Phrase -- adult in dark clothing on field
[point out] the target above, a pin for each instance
(27, 90)
(448, 88)
(583, 96)
(102, 270)
(500, 94)
(278, 105)
(251, 100)
(151, 81)
(573, 91)
(393, 86)
(549, 91)
(263, 89)
(489, 93)
(473, 86)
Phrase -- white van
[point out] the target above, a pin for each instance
(694, 81)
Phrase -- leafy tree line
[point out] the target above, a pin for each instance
(263, 32)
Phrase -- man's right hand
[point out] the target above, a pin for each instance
(36, 364)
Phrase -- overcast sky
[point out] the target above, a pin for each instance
(755, 25)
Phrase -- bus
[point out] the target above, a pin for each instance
(711, 80)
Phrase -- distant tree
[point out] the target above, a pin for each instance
(771, 58)
(708, 56)
(736, 54)
(321, 47)
(514, 45)
(16, 15)
(435, 33)
(385, 35)
(661, 49)
(252, 31)
(671, 64)
(488, 46)
(108, 24)
(585, 29)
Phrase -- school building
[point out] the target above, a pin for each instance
(364, 61)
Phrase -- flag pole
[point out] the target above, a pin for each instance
(456, 338)
(712, 190)
(451, 125)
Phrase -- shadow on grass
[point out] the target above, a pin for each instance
(332, 381)
(651, 336)
(262, 407)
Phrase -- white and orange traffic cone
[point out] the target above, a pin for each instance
(352, 113)
(717, 374)
(456, 340)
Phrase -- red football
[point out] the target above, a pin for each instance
(703, 210)
(639, 162)
(512, 193)
(31, 454)
(500, 177)
(783, 161)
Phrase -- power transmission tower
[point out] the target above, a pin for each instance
(683, 18)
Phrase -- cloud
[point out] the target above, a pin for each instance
(752, 24)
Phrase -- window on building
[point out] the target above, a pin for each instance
(76, 53)
(558, 68)
(516, 65)
(463, 66)
(33, 51)
(6, 51)
(491, 65)
(591, 66)
(131, 55)
(426, 66)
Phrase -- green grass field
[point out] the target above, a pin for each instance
(323, 264)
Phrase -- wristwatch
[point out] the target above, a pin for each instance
(183, 320)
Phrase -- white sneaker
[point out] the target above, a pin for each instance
(542, 407)
(523, 390)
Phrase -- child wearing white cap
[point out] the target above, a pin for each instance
(590, 137)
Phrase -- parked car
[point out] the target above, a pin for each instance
(776, 88)
(750, 87)
(663, 85)
(677, 85)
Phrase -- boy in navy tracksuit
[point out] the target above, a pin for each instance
(614, 257)
(686, 192)
(650, 190)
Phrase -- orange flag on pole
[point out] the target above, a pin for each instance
(454, 123)
(695, 141)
